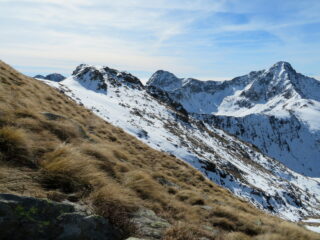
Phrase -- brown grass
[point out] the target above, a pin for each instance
(182, 231)
(81, 158)
(14, 146)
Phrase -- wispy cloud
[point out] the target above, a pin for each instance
(200, 38)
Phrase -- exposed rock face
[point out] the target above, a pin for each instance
(31, 218)
(164, 97)
(149, 224)
(90, 76)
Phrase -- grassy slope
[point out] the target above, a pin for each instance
(82, 158)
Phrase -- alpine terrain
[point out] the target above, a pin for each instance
(277, 110)
(176, 116)
(65, 173)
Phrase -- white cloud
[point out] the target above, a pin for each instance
(129, 34)
(126, 33)
(74, 48)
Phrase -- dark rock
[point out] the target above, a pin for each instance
(32, 218)
(143, 134)
(165, 98)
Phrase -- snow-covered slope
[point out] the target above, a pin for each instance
(121, 99)
(277, 109)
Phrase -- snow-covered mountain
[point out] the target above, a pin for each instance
(277, 109)
(56, 77)
(151, 115)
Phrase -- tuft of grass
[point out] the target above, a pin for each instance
(64, 130)
(115, 203)
(144, 185)
(191, 197)
(271, 236)
(236, 236)
(223, 223)
(182, 231)
(14, 146)
(293, 231)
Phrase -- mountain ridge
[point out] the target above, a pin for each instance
(256, 99)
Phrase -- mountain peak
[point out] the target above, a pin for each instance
(97, 77)
(282, 63)
(281, 66)
(278, 80)
(79, 68)
(165, 80)
(162, 75)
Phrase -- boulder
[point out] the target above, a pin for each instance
(32, 218)
(149, 225)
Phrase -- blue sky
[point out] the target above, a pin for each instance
(206, 39)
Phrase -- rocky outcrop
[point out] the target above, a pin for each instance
(32, 218)
(149, 225)
(90, 77)
(99, 78)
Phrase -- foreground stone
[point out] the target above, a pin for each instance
(149, 225)
(32, 218)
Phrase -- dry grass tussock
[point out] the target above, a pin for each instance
(77, 156)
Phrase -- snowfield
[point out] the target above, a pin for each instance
(313, 228)
(121, 99)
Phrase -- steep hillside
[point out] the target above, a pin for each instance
(120, 98)
(53, 148)
(275, 109)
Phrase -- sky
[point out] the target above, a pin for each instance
(204, 39)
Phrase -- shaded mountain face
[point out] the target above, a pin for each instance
(152, 115)
(56, 77)
(275, 109)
